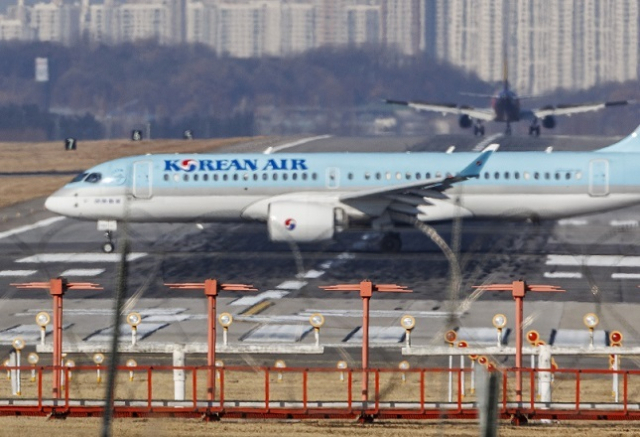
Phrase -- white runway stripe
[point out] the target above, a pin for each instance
(566, 275)
(17, 272)
(270, 150)
(82, 272)
(292, 285)
(621, 223)
(625, 276)
(252, 300)
(36, 225)
(572, 222)
(313, 274)
(78, 257)
(593, 260)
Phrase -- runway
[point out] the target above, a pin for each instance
(594, 258)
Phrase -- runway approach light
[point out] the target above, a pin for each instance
(131, 363)
(615, 338)
(98, 358)
(33, 359)
(450, 337)
(590, 320)
(219, 363)
(70, 364)
(316, 320)
(42, 320)
(408, 323)
(134, 319)
(341, 365)
(499, 322)
(225, 319)
(280, 364)
(404, 365)
(18, 343)
(533, 337)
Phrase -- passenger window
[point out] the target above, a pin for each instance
(526, 175)
(186, 177)
(387, 175)
(418, 175)
(567, 175)
(486, 175)
(304, 176)
(496, 175)
(214, 177)
(557, 176)
(225, 177)
(427, 176)
(235, 176)
(166, 177)
(367, 175)
(294, 176)
(516, 175)
(265, 176)
(245, 176)
(314, 176)
(205, 177)
(547, 175)
(506, 175)
(578, 175)
(176, 177)
(284, 176)
(195, 177)
(255, 176)
(438, 174)
(407, 175)
(398, 175)
(350, 176)
(378, 176)
(536, 175)
(275, 176)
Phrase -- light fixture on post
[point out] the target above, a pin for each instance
(404, 365)
(98, 359)
(450, 337)
(18, 344)
(280, 364)
(134, 319)
(499, 322)
(341, 365)
(590, 320)
(316, 320)
(408, 323)
(33, 359)
(131, 363)
(225, 319)
(43, 319)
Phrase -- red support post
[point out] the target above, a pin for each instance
(211, 289)
(57, 288)
(366, 289)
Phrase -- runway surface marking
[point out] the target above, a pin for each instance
(484, 143)
(624, 223)
(375, 313)
(29, 333)
(378, 334)
(17, 272)
(292, 285)
(36, 225)
(107, 312)
(252, 300)
(272, 149)
(82, 272)
(144, 330)
(313, 274)
(563, 275)
(79, 257)
(572, 222)
(625, 276)
(277, 334)
(593, 260)
(482, 336)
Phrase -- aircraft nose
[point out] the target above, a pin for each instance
(59, 204)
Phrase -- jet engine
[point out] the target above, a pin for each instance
(464, 121)
(549, 122)
(304, 222)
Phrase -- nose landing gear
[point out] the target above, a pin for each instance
(108, 246)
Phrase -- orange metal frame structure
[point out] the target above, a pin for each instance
(262, 405)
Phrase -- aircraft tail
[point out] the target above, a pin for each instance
(630, 143)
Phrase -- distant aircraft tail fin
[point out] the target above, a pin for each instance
(630, 143)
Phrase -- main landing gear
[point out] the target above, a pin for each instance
(478, 129)
(534, 129)
(391, 242)
(108, 246)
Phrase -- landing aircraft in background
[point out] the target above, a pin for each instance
(505, 108)
(311, 197)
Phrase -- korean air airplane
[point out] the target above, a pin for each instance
(311, 197)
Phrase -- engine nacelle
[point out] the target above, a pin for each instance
(465, 121)
(549, 122)
(304, 222)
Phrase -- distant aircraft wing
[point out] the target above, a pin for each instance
(575, 109)
(485, 114)
(472, 170)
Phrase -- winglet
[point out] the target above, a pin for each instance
(473, 170)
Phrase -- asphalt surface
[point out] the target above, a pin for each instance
(598, 281)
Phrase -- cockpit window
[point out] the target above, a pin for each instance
(79, 178)
(93, 178)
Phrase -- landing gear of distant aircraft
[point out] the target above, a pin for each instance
(391, 242)
(478, 129)
(108, 246)
(508, 130)
(534, 129)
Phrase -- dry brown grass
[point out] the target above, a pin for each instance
(51, 156)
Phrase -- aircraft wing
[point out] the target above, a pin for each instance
(576, 109)
(485, 114)
(472, 170)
